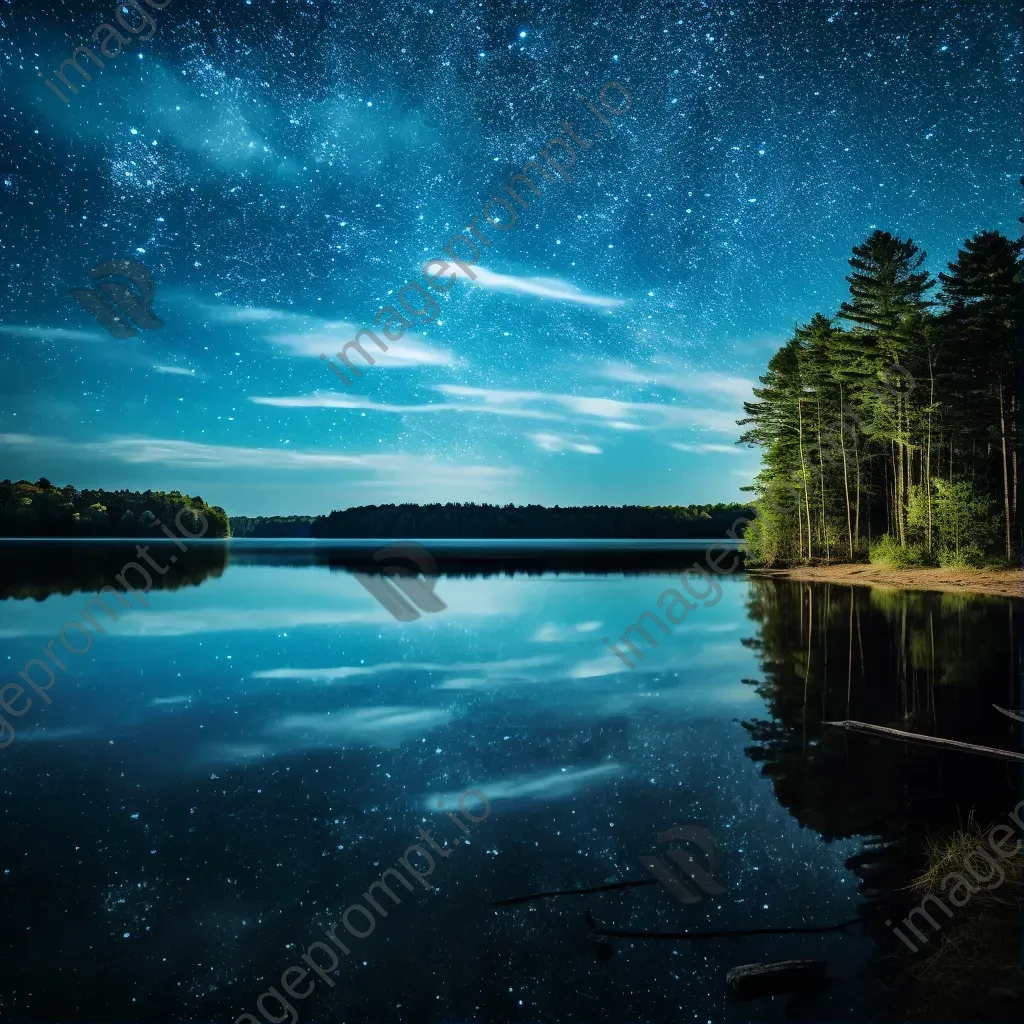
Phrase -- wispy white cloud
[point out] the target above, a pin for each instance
(383, 469)
(531, 405)
(684, 379)
(309, 336)
(51, 333)
(540, 287)
(243, 314)
(342, 401)
(610, 411)
(558, 443)
(179, 370)
(707, 449)
(410, 351)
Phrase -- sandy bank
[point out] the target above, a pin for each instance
(998, 582)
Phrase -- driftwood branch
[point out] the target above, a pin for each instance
(938, 741)
(1009, 712)
(783, 977)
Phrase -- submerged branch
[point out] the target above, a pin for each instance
(938, 741)
(611, 887)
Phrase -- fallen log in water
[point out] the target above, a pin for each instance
(938, 741)
(1010, 712)
(783, 977)
(610, 887)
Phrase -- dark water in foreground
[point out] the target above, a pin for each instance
(228, 769)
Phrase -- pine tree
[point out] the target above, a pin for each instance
(887, 300)
(984, 297)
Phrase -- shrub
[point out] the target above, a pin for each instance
(888, 552)
(970, 556)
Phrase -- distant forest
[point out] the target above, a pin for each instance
(270, 526)
(891, 429)
(455, 520)
(44, 510)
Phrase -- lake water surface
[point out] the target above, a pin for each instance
(228, 769)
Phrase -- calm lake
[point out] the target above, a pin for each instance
(226, 770)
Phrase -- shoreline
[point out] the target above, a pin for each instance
(993, 582)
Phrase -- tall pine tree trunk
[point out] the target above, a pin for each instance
(856, 458)
(846, 471)
(803, 473)
(800, 528)
(821, 484)
(928, 453)
(1006, 473)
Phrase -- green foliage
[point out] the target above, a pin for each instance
(968, 556)
(43, 510)
(888, 552)
(964, 519)
(862, 428)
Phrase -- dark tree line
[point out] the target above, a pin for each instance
(893, 426)
(531, 521)
(270, 526)
(43, 510)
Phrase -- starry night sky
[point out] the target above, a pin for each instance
(283, 168)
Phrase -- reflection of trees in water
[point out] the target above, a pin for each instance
(39, 570)
(925, 662)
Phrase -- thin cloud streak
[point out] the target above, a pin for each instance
(613, 413)
(50, 333)
(540, 287)
(309, 336)
(706, 449)
(391, 468)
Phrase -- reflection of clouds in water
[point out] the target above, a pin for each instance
(537, 787)
(240, 600)
(248, 668)
(552, 633)
(227, 620)
(42, 735)
(465, 683)
(202, 618)
(384, 726)
(512, 668)
(710, 655)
